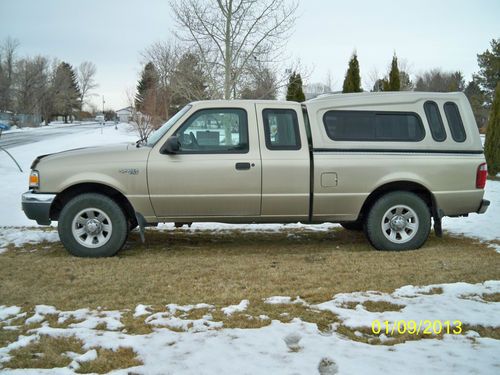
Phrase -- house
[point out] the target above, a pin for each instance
(124, 114)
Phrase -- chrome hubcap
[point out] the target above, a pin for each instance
(92, 228)
(400, 224)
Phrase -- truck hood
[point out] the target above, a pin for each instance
(121, 152)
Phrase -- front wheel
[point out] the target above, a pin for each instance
(92, 225)
(398, 221)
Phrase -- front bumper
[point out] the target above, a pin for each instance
(36, 206)
(483, 206)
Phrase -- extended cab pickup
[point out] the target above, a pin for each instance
(385, 163)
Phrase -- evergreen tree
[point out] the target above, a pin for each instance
(489, 70)
(394, 82)
(352, 81)
(146, 88)
(66, 91)
(405, 83)
(492, 144)
(188, 82)
(294, 91)
(477, 98)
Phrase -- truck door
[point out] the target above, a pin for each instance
(216, 172)
(285, 161)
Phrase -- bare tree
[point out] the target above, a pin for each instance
(229, 34)
(86, 80)
(439, 81)
(146, 120)
(7, 64)
(32, 85)
(262, 85)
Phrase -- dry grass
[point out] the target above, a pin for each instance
(381, 306)
(48, 352)
(434, 290)
(284, 313)
(222, 269)
(492, 297)
(491, 332)
(108, 360)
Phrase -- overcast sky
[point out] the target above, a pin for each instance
(112, 33)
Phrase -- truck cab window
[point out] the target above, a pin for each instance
(222, 131)
(281, 129)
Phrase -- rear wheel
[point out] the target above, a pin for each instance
(398, 221)
(92, 225)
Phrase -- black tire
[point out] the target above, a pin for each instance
(357, 225)
(104, 206)
(407, 229)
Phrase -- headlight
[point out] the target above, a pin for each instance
(34, 180)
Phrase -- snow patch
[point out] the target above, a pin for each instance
(283, 300)
(242, 306)
(456, 302)
(484, 227)
(142, 310)
(297, 347)
(21, 236)
(91, 355)
(8, 311)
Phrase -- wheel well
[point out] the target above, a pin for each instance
(413, 187)
(66, 195)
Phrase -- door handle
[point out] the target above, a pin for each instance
(242, 166)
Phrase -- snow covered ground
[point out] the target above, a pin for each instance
(52, 125)
(292, 348)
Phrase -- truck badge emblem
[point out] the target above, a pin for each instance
(131, 171)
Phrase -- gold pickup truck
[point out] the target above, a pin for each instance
(385, 163)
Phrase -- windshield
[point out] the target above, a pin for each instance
(160, 132)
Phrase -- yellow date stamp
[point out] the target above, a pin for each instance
(417, 327)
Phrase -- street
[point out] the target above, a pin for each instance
(13, 139)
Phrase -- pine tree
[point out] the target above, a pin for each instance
(188, 82)
(66, 91)
(489, 70)
(294, 91)
(352, 81)
(146, 87)
(394, 83)
(477, 98)
(492, 144)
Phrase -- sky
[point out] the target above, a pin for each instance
(424, 34)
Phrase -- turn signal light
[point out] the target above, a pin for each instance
(34, 180)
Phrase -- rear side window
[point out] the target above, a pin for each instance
(281, 129)
(373, 126)
(435, 121)
(455, 122)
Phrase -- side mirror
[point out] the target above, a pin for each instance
(171, 146)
